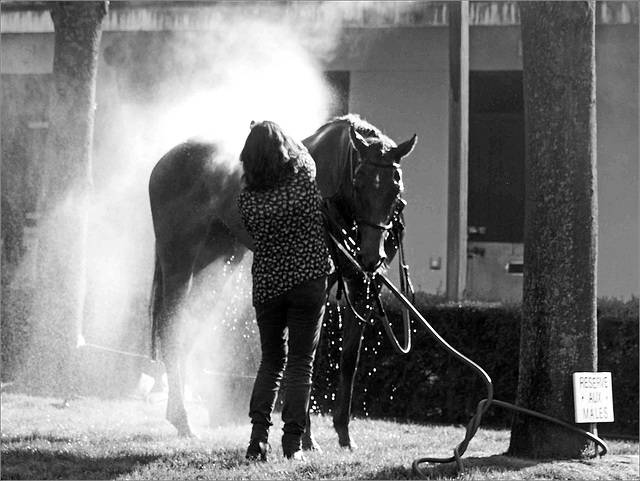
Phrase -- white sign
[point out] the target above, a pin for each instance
(593, 397)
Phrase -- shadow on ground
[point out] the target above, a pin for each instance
(25, 462)
(493, 463)
(605, 467)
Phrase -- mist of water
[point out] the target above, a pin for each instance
(217, 84)
(210, 84)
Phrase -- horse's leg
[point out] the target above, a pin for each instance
(308, 441)
(173, 355)
(352, 331)
(221, 245)
(178, 258)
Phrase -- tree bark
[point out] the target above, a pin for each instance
(560, 246)
(59, 297)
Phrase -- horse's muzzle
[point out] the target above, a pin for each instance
(370, 266)
(371, 254)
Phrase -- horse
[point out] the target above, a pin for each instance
(193, 194)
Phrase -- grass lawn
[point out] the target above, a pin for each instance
(129, 439)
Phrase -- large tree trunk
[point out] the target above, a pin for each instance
(559, 299)
(59, 299)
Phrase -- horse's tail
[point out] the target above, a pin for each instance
(155, 305)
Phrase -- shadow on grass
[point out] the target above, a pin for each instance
(495, 463)
(499, 463)
(25, 462)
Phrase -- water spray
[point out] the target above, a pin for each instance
(483, 405)
(81, 342)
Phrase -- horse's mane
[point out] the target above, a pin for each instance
(367, 130)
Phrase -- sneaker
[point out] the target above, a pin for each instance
(257, 451)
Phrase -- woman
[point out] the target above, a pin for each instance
(280, 206)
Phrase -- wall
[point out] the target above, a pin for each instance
(617, 118)
(399, 82)
(494, 49)
(406, 71)
(27, 53)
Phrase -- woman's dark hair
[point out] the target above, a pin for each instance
(269, 156)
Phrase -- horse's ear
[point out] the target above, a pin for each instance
(405, 148)
(358, 141)
(252, 124)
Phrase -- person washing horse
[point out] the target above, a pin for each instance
(280, 205)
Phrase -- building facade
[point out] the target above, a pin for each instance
(386, 61)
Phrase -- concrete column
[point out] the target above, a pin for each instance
(458, 149)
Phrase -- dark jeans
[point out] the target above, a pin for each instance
(289, 333)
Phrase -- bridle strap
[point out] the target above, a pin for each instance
(388, 226)
(405, 282)
(384, 227)
(347, 245)
(406, 347)
(359, 221)
(334, 231)
(378, 165)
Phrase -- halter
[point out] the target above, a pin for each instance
(399, 202)
(341, 240)
(345, 244)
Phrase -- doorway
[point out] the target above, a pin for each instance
(496, 185)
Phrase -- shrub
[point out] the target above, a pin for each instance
(618, 354)
(430, 385)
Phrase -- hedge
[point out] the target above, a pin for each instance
(426, 385)
(430, 385)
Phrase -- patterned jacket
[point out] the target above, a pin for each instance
(289, 239)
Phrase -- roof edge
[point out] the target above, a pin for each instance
(33, 17)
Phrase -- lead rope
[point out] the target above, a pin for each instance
(483, 405)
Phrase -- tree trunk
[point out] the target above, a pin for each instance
(559, 298)
(59, 297)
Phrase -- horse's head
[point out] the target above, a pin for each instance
(377, 188)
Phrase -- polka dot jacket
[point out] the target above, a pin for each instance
(287, 228)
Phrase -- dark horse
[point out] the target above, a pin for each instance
(193, 191)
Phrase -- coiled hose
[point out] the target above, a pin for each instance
(474, 423)
(483, 406)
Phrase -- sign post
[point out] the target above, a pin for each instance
(593, 397)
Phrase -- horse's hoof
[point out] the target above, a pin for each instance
(344, 439)
(350, 445)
